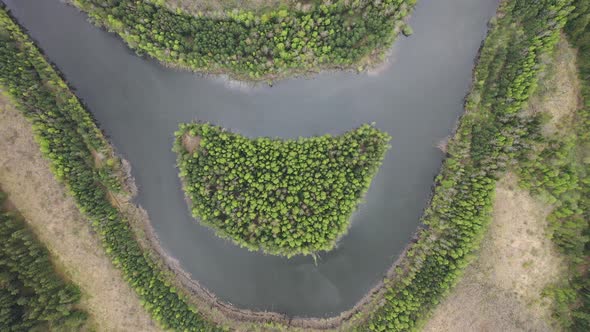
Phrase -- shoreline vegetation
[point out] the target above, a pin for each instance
(258, 46)
(86, 164)
(33, 294)
(284, 197)
(455, 220)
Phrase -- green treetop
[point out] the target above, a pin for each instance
(285, 197)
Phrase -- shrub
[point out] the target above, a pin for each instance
(70, 140)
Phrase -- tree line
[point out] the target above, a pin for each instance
(33, 296)
(492, 134)
(256, 46)
(285, 197)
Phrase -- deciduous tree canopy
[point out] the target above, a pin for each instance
(256, 45)
(283, 196)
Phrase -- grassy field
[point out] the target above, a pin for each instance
(25, 176)
(502, 289)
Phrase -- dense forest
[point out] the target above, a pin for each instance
(257, 46)
(33, 296)
(285, 197)
(492, 135)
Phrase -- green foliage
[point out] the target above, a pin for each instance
(32, 294)
(550, 171)
(70, 140)
(491, 134)
(284, 197)
(407, 30)
(259, 46)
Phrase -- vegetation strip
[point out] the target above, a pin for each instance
(257, 46)
(505, 285)
(285, 197)
(32, 294)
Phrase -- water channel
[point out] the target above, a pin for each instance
(417, 99)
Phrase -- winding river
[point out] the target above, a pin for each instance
(417, 98)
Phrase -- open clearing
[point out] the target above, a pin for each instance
(26, 178)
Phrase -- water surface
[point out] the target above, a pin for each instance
(139, 104)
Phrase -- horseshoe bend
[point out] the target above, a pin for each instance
(303, 222)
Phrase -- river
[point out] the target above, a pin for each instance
(416, 98)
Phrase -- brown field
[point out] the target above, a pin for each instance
(501, 290)
(24, 174)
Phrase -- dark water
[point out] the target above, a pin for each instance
(139, 104)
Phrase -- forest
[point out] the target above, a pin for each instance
(492, 135)
(257, 46)
(285, 197)
(33, 296)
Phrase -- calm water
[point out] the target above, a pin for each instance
(139, 104)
